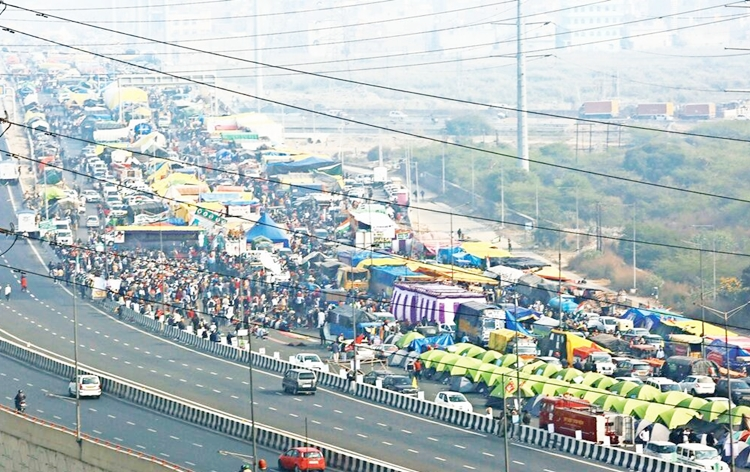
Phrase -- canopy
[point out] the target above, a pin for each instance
(605, 383)
(590, 378)
(547, 370)
(466, 366)
(623, 387)
(491, 356)
(492, 376)
(713, 410)
(695, 403)
(672, 398)
(735, 414)
(569, 374)
(644, 392)
(648, 410)
(611, 402)
(268, 228)
(483, 250)
(432, 356)
(676, 417)
(442, 340)
(446, 362)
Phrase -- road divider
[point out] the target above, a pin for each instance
(197, 414)
(589, 450)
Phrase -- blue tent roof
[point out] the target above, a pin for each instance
(457, 256)
(353, 257)
(309, 163)
(268, 228)
(442, 340)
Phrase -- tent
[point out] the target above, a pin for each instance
(268, 228)
(461, 384)
(441, 340)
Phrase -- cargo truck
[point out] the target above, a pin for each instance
(602, 109)
(655, 111)
(476, 320)
(436, 303)
(569, 416)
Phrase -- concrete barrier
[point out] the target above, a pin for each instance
(200, 415)
(609, 455)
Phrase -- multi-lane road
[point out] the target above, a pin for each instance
(44, 317)
(124, 424)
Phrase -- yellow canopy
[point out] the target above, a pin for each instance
(160, 173)
(554, 273)
(484, 249)
(575, 341)
(175, 179)
(385, 261)
(458, 274)
(694, 327)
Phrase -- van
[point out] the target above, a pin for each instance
(299, 380)
(64, 237)
(609, 323)
(663, 450)
(700, 456)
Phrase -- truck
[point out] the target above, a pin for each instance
(27, 223)
(594, 360)
(698, 111)
(655, 111)
(476, 320)
(604, 109)
(570, 415)
(414, 302)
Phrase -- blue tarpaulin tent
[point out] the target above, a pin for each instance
(303, 165)
(267, 228)
(352, 257)
(457, 256)
(717, 352)
(441, 340)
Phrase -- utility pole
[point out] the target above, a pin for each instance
(259, 70)
(522, 130)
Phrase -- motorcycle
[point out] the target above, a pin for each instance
(21, 406)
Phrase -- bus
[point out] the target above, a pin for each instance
(161, 237)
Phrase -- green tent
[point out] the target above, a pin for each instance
(549, 387)
(429, 358)
(611, 402)
(644, 392)
(569, 374)
(593, 395)
(632, 406)
(508, 389)
(672, 398)
(508, 360)
(735, 414)
(491, 356)
(460, 348)
(446, 362)
(623, 387)
(648, 410)
(476, 352)
(531, 368)
(493, 376)
(604, 383)
(676, 417)
(406, 339)
(465, 365)
(694, 403)
(484, 369)
(547, 370)
(712, 410)
(590, 378)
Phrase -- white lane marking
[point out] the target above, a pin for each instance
(234, 396)
(150, 430)
(383, 425)
(337, 428)
(118, 439)
(387, 443)
(111, 416)
(175, 438)
(459, 446)
(359, 418)
(317, 406)
(547, 470)
(197, 445)
(315, 422)
(272, 408)
(439, 459)
(162, 454)
(362, 435)
(228, 378)
(412, 450)
(199, 385)
(488, 454)
(337, 411)
(469, 467)
(561, 456)
(432, 439)
(406, 431)
(519, 463)
(96, 431)
(130, 423)
(293, 415)
(90, 409)
(189, 463)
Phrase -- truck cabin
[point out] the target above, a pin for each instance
(550, 404)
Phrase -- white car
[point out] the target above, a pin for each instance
(698, 385)
(397, 115)
(92, 221)
(92, 196)
(309, 360)
(636, 380)
(663, 450)
(454, 400)
(87, 385)
(663, 384)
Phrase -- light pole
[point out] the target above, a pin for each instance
(726, 315)
(713, 253)
(75, 360)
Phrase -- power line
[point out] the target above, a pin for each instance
(369, 200)
(354, 82)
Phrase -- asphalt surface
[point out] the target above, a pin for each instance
(124, 424)
(44, 317)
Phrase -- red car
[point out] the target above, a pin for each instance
(302, 458)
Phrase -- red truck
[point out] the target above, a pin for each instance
(569, 415)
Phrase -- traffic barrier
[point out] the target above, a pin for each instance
(193, 413)
(609, 455)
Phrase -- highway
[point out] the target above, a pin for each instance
(44, 317)
(124, 424)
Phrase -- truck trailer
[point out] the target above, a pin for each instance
(431, 302)
(476, 320)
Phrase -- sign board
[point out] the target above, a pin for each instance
(142, 129)
(211, 216)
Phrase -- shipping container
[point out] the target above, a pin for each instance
(698, 111)
(655, 111)
(601, 109)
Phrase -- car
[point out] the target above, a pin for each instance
(309, 360)
(632, 368)
(700, 457)
(698, 385)
(654, 340)
(64, 236)
(397, 115)
(299, 380)
(609, 322)
(92, 196)
(663, 384)
(302, 458)
(118, 210)
(740, 391)
(663, 450)
(635, 333)
(400, 384)
(92, 221)
(549, 360)
(87, 386)
(371, 377)
(454, 400)
(384, 351)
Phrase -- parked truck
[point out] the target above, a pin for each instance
(569, 416)
(655, 111)
(28, 223)
(476, 320)
(604, 109)
(412, 303)
(698, 111)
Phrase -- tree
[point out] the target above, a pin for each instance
(468, 125)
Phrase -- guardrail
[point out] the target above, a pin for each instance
(589, 450)
(407, 403)
(200, 415)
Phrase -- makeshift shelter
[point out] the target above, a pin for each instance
(443, 341)
(267, 228)
(461, 384)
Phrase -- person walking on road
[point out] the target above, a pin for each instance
(24, 284)
(7, 292)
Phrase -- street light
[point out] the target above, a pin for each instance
(726, 315)
(713, 252)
